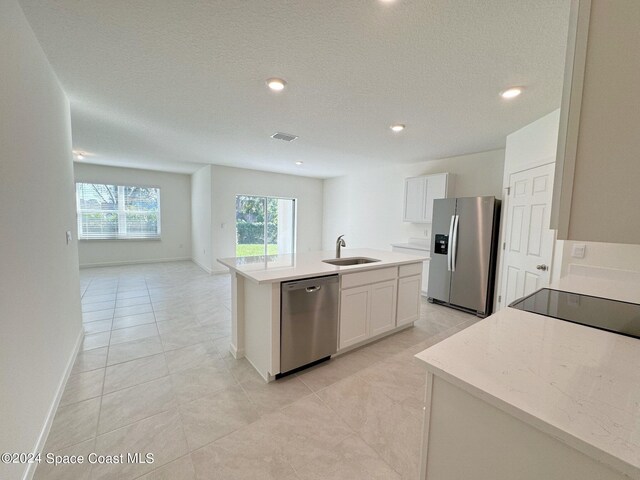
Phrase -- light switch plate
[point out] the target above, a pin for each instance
(68, 237)
(578, 250)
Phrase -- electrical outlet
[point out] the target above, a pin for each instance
(578, 250)
(69, 238)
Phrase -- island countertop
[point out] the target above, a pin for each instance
(280, 268)
(575, 383)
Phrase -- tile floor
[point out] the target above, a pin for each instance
(154, 375)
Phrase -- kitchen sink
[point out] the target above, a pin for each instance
(343, 262)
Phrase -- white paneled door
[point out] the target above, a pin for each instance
(529, 240)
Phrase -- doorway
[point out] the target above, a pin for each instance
(529, 241)
(265, 225)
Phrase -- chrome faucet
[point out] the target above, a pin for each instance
(339, 243)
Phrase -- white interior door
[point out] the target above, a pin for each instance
(529, 240)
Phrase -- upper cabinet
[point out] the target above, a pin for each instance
(596, 192)
(420, 192)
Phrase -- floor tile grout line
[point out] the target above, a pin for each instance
(355, 432)
(119, 427)
(104, 378)
(312, 392)
(155, 469)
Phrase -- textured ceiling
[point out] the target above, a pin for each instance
(173, 83)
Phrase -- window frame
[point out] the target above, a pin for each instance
(121, 212)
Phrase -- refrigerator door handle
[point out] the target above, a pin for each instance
(449, 249)
(454, 247)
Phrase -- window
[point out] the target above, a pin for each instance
(264, 225)
(117, 211)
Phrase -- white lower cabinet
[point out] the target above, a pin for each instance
(408, 300)
(425, 264)
(382, 311)
(367, 311)
(425, 277)
(377, 301)
(354, 315)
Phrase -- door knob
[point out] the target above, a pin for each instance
(542, 267)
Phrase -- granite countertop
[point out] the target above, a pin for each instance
(578, 384)
(279, 268)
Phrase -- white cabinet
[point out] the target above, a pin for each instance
(424, 287)
(370, 302)
(457, 421)
(367, 311)
(382, 314)
(419, 194)
(414, 199)
(408, 300)
(354, 315)
(596, 191)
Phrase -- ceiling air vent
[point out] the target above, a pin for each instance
(284, 136)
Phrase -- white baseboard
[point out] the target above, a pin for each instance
(237, 353)
(134, 262)
(220, 269)
(203, 267)
(220, 272)
(44, 433)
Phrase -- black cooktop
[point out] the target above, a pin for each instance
(602, 313)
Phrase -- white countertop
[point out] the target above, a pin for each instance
(412, 246)
(280, 268)
(578, 384)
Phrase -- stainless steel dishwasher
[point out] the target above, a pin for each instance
(308, 322)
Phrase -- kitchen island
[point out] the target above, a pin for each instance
(376, 299)
(521, 395)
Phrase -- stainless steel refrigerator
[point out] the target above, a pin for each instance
(464, 247)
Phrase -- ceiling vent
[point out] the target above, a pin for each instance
(284, 136)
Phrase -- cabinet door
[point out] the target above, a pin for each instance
(414, 194)
(436, 187)
(408, 300)
(354, 314)
(425, 277)
(382, 308)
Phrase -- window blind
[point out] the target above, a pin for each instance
(117, 211)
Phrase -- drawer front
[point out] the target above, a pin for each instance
(350, 280)
(411, 269)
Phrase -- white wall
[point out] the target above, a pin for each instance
(227, 182)
(39, 286)
(609, 255)
(367, 207)
(536, 144)
(532, 145)
(201, 218)
(175, 208)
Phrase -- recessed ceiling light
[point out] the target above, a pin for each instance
(299, 163)
(276, 84)
(512, 92)
(398, 127)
